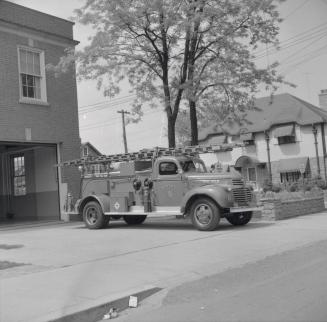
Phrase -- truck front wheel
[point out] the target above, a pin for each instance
(93, 216)
(205, 214)
(240, 218)
(134, 220)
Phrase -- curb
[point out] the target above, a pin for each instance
(96, 313)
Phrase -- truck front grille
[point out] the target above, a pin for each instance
(238, 182)
(242, 196)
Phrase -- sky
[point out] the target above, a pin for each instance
(302, 58)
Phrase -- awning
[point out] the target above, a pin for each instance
(293, 165)
(246, 136)
(246, 160)
(286, 130)
(219, 139)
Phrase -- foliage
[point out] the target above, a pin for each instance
(305, 185)
(197, 50)
(223, 78)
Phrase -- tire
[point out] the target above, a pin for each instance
(134, 220)
(93, 216)
(205, 214)
(240, 218)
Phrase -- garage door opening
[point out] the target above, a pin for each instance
(29, 182)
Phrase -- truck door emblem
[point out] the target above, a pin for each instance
(117, 205)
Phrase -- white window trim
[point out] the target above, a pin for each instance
(87, 151)
(27, 100)
(255, 171)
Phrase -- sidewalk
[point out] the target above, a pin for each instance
(71, 269)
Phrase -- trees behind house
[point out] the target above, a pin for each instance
(178, 51)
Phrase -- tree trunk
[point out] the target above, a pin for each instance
(171, 131)
(194, 123)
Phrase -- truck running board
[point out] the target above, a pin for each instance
(139, 211)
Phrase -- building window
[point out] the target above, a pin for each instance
(31, 74)
(85, 151)
(19, 179)
(290, 176)
(252, 175)
(286, 139)
(249, 142)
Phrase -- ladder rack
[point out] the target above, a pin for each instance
(150, 154)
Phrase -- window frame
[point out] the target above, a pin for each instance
(14, 176)
(43, 88)
(161, 173)
(248, 175)
(287, 139)
(290, 176)
(249, 142)
(85, 148)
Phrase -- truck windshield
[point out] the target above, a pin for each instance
(193, 166)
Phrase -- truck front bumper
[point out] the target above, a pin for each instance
(244, 209)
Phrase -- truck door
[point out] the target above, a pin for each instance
(169, 185)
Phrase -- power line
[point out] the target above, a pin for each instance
(309, 56)
(293, 43)
(299, 38)
(103, 124)
(300, 51)
(103, 107)
(296, 9)
(106, 102)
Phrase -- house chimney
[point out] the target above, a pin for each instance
(323, 99)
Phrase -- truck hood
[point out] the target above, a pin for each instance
(200, 179)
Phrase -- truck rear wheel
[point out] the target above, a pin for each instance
(93, 216)
(205, 214)
(134, 220)
(240, 218)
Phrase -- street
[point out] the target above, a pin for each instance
(287, 287)
(263, 271)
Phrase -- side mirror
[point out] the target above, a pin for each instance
(180, 171)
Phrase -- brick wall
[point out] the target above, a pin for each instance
(22, 16)
(276, 208)
(56, 122)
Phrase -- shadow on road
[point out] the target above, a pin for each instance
(179, 225)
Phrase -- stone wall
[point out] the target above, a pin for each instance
(278, 206)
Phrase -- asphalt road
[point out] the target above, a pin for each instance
(263, 271)
(291, 286)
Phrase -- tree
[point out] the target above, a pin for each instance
(170, 50)
(222, 75)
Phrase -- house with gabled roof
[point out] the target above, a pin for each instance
(284, 140)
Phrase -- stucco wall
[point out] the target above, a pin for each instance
(304, 147)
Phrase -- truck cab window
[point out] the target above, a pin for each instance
(192, 166)
(168, 168)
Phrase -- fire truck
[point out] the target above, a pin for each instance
(161, 182)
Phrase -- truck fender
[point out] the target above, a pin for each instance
(218, 194)
(103, 200)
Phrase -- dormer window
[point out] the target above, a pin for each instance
(247, 138)
(286, 139)
(285, 134)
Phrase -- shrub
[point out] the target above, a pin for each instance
(294, 187)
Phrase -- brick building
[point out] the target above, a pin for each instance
(38, 115)
(285, 140)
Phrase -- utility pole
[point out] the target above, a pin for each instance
(123, 112)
